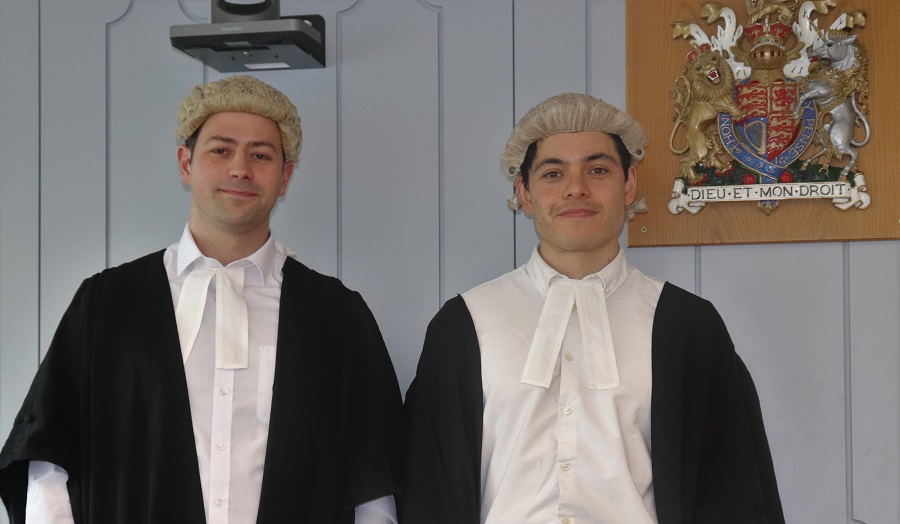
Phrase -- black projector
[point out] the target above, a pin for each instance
(291, 42)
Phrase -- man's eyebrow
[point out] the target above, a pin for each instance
(262, 143)
(232, 141)
(601, 156)
(219, 138)
(546, 161)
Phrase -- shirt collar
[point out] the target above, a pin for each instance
(541, 274)
(258, 266)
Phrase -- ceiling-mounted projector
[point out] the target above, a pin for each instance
(251, 35)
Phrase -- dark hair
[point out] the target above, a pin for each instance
(191, 141)
(531, 152)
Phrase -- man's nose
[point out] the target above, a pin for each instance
(575, 185)
(239, 166)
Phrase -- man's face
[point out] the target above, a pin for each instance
(236, 174)
(577, 193)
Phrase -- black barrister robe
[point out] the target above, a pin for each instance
(110, 405)
(711, 459)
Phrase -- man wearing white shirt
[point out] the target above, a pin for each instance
(219, 380)
(575, 389)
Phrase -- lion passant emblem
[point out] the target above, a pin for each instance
(772, 110)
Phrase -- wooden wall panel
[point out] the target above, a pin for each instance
(655, 59)
(389, 147)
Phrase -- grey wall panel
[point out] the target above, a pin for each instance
(19, 206)
(872, 275)
(305, 219)
(389, 99)
(550, 46)
(476, 107)
(605, 58)
(398, 191)
(783, 305)
(308, 218)
(145, 185)
(73, 149)
(606, 66)
(674, 264)
(146, 78)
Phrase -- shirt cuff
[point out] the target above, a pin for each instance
(378, 511)
(47, 498)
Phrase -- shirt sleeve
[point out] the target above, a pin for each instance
(48, 497)
(378, 511)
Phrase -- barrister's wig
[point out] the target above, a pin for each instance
(244, 94)
(571, 113)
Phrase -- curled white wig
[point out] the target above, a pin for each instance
(571, 113)
(244, 94)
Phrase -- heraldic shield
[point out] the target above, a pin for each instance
(771, 110)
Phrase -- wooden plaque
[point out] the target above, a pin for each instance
(655, 59)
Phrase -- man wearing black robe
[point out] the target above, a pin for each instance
(110, 402)
(701, 429)
(710, 454)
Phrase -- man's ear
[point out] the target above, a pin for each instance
(287, 171)
(184, 163)
(631, 186)
(524, 195)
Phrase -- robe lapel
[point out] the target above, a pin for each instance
(666, 411)
(288, 473)
(140, 317)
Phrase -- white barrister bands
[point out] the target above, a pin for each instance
(588, 298)
(231, 314)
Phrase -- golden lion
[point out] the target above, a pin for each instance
(703, 89)
(762, 9)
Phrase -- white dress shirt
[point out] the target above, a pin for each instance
(574, 451)
(229, 407)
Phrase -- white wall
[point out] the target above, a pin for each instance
(398, 191)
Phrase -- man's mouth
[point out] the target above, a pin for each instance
(579, 212)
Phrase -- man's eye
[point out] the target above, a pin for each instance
(260, 156)
(599, 171)
(552, 174)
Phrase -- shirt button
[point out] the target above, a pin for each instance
(221, 447)
(566, 521)
(223, 392)
(218, 503)
(567, 411)
(566, 466)
(569, 357)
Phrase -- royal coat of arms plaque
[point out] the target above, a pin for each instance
(779, 106)
(754, 97)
